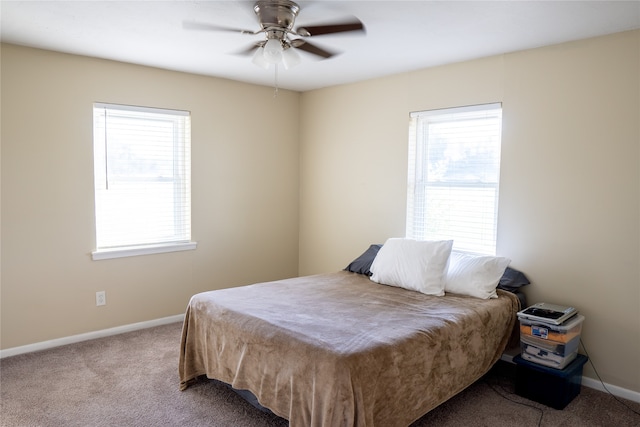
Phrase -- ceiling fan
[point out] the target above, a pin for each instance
(276, 19)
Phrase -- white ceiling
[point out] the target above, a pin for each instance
(400, 35)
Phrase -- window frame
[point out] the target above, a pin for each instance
(180, 179)
(418, 171)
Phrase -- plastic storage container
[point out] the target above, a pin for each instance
(557, 333)
(549, 353)
(551, 387)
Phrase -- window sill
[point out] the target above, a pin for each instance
(142, 250)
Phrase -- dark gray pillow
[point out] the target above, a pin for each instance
(362, 264)
(512, 280)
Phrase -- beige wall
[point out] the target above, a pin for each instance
(244, 179)
(570, 178)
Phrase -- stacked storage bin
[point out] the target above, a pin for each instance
(550, 345)
(549, 368)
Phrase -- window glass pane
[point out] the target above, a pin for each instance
(454, 171)
(463, 151)
(140, 147)
(142, 176)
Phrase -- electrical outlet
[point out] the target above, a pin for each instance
(101, 298)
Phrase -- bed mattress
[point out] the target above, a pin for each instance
(339, 350)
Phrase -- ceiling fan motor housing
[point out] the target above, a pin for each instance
(276, 17)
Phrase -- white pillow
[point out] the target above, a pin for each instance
(476, 276)
(419, 265)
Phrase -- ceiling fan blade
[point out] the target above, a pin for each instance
(192, 25)
(318, 30)
(250, 50)
(311, 48)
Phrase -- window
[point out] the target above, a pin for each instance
(454, 171)
(142, 174)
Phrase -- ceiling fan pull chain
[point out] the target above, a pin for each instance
(275, 83)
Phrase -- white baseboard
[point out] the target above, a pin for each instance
(634, 396)
(44, 345)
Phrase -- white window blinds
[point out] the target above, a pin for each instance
(454, 172)
(142, 167)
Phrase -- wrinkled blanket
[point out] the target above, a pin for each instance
(339, 350)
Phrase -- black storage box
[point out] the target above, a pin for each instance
(549, 386)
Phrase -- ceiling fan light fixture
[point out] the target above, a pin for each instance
(272, 51)
(259, 59)
(290, 58)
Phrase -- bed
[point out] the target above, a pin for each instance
(339, 349)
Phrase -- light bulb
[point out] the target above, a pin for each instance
(273, 51)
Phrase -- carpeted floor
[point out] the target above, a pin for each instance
(132, 380)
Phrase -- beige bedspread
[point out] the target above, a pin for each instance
(339, 350)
